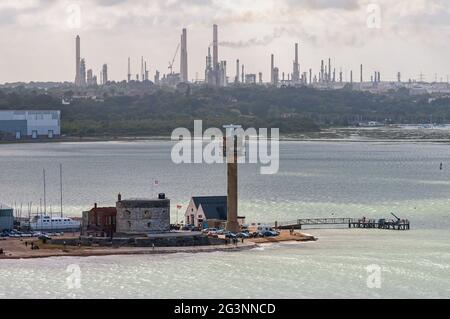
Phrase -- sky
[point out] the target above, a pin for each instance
(37, 37)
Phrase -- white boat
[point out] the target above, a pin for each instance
(47, 223)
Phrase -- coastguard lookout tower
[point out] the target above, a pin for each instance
(232, 149)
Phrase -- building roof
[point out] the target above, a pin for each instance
(104, 210)
(214, 207)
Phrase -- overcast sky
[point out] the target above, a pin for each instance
(37, 37)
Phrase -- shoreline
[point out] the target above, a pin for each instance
(16, 248)
(99, 252)
(360, 139)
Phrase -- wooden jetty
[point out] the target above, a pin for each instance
(399, 224)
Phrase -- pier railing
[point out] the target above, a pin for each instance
(351, 222)
(314, 221)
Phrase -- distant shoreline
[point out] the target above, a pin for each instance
(168, 139)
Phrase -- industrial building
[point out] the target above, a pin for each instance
(215, 71)
(142, 216)
(6, 217)
(30, 124)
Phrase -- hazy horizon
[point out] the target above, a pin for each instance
(410, 36)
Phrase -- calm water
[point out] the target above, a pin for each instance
(315, 180)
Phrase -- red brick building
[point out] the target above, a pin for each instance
(99, 222)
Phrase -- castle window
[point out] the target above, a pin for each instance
(149, 225)
(129, 224)
(147, 214)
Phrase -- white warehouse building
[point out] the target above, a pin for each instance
(32, 124)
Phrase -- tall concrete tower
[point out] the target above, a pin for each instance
(82, 76)
(231, 153)
(142, 69)
(129, 70)
(105, 74)
(272, 68)
(322, 71)
(216, 65)
(361, 79)
(184, 57)
(329, 70)
(78, 61)
(296, 68)
(236, 79)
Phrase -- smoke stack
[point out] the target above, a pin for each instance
(237, 72)
(321, 71)
(142, 68)
(329, 69)
(78, 61)
(296, 71)
(272, 66)
(361, 73)
(215, 47)
(184, 57)
(243, 74)
(129, 70)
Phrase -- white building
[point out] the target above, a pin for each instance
(32, 124)
(208, 212)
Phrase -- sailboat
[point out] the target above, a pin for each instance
(45, 222)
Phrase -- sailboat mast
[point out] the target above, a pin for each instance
(61, 188)
(45, 196)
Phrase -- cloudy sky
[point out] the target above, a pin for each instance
(37, 37)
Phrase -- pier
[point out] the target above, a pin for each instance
(399, 224)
